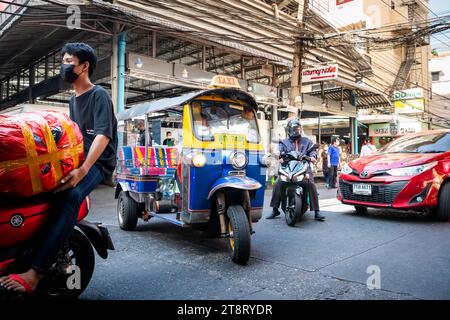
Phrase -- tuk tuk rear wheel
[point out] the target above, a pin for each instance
(127, 212)
(238, 228)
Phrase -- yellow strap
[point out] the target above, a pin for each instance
(41, 159)
(32, 158)
(71, 135)
(52, 149)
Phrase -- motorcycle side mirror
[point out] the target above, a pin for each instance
(314, 147)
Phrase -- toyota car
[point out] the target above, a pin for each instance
(410, 173)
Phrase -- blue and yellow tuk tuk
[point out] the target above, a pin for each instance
(213, 179)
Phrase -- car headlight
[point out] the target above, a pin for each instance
(198, 160)
(239, 160)
(346, 169)
(411, 171)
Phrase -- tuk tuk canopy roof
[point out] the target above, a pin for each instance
(168, 103)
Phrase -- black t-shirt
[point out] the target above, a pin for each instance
(94, 113)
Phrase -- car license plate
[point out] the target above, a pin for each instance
(362, 189)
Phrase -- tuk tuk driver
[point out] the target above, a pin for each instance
(295, 142)
(202, 127)
(246, 122)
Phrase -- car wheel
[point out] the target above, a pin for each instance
(443, 209)
(360, 210)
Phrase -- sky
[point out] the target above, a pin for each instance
(440, 7)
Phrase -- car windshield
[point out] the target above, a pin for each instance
(431, 143)
(213, 117)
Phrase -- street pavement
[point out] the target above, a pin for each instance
(314, 260)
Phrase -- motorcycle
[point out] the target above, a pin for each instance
(22, 226)
(293, 174)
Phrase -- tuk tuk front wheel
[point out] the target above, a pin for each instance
(127, 212)
(239, 240)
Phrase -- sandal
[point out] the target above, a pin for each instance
(19, 280)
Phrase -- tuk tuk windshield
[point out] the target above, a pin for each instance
(213, 117)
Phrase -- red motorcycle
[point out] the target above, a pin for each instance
(21, 227)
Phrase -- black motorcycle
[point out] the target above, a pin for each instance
(293, 174)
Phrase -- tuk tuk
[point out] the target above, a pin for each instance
(213, 179)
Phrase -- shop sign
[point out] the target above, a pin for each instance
(414, 93)
(322, 73)
(409, 106)
(393, 129)
(324, 131)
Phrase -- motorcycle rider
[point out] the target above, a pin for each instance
(295, 142)
(92, 109)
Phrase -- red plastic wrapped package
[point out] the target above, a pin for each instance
(37, 149)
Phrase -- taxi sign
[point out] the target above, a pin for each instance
(221, 81)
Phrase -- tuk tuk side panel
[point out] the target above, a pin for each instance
(137, 184)
(200, 181)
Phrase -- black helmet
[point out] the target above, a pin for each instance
(294, 129)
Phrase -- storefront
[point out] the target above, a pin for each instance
(382, 133)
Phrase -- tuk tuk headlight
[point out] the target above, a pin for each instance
(198, 160)
(239, 160)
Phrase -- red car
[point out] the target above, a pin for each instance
(410, 173)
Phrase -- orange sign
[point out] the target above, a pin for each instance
(220, 81)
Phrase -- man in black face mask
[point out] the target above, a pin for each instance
(303, 145)
(92, 109)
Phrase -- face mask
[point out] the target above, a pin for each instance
(67, 74)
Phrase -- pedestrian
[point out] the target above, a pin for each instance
(141, 128)
(367, 148)
(169, 141)
(325, 170)
(334, 158)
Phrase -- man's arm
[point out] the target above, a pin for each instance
(313, 153)
(75, 176)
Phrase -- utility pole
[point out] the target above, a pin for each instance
(296, 78)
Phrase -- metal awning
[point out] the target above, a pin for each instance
(366, 97)
(170, 103)
(32, 36)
